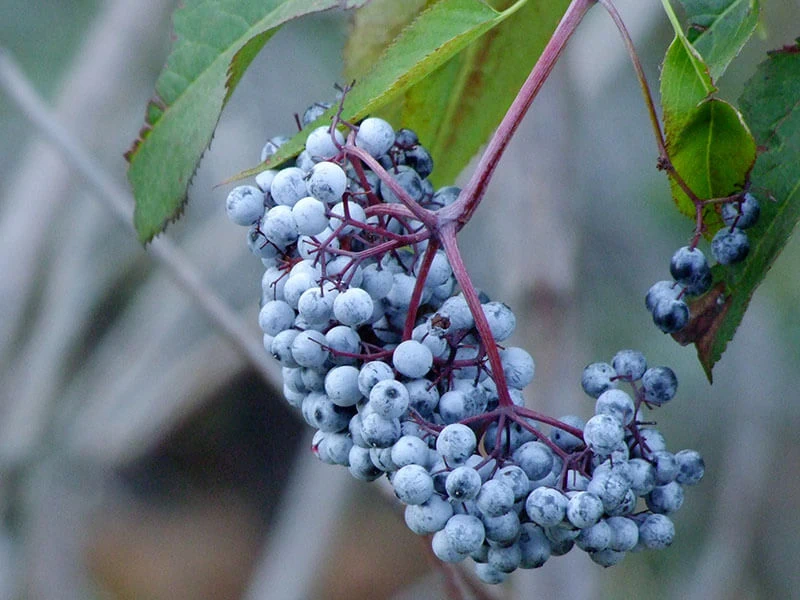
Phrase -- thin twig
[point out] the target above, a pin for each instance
(664, 161)
(120, 202)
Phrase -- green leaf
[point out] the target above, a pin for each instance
(713, 153)
(372, 30)
(456, 108)
(685, 83)
(771, 104)
(215, 42)
(718, 29)
(434, 37)
(707, 140)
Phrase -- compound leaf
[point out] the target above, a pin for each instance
(215, 42)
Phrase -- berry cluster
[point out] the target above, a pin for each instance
(666, 300)
(404, 375)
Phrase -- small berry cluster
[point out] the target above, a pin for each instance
(399, 371)
(666, 300)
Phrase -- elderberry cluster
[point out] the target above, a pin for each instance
(691, 273)
(381, 354)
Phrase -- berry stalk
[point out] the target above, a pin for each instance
(466, 205)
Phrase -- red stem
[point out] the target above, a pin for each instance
(461, 210)
(416, 296)
(447, 237)
(427, 217)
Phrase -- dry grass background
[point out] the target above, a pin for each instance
(142, 456)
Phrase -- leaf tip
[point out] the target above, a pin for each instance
(707, 315)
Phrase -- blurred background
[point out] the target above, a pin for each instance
(143, 455)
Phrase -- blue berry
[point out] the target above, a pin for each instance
(518, 367)
(412, 359)
(730, 246)
(616, 403)
(309, 216)
(584, 510)
(314, 112)
(272, 145)
(665, 465)
(444, 550)
(495, 498)
(288, 186)
(341, 385)
(670, 316)
(505, 559)
(463, 483)
(465, 533)
(422, 396)
(408, 180)
(516, 479)
(375, 136)
(245, 205)
(534, 545)
(308, 349)
(405, 138)
(413, 484)
(353, 307)
(503, 529)
(597, 378)
(690, 268)
(327, 182)
(643, 476)
(606, 557)
(320, 143)
(535, 459)
(691, 467)
(380, 432)
(665, 499)
(342, 339)
(624, 534)
(361, 466)
(275, 316)
(611, 486)
(376, 282)
(567, 441)
(660, 385)
(428, 517)
(456, 443)
(488, 574)
(661, 291)
(410, 450)
(546, 506)
(594, 538)
(629, 365)
(419, 159)
(454, 406)
(603, 433)
(656, 532)
(389, 399)
(279, 227)
(741, 214)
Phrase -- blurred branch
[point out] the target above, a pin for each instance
(124, 417)
(120, 202)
